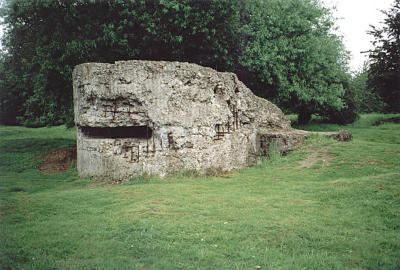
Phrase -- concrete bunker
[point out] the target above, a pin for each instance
(165, 117)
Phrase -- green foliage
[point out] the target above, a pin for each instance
(358, 98)
(11, 101)
(293, 57)
(384, 72)
(46, 39)
(327, 205)
(283, 50)
(346, 115)
(366, 100)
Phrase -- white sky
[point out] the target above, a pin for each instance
(354, 18)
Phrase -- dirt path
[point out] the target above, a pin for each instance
(315, 156)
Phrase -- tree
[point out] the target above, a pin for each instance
(283, 50)
(293, 57)
(384, 72)
(366, 100)
(45, 39)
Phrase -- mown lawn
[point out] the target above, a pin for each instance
(328, 205)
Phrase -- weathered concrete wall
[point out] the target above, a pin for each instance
(164, 117)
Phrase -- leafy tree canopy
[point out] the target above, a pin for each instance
(283, 50)
(366, 100)
(384, 72)
(46, 39)
(294, 57)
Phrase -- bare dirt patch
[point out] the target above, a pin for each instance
(315, 156)
(57, 161)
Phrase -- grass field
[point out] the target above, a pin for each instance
(328, 205)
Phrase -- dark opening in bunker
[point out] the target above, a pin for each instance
(138, 132)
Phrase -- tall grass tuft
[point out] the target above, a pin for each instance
(273, 156)
(143, 178)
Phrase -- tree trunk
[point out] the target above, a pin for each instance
(304, 117)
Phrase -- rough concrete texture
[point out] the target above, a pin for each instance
(137, 117)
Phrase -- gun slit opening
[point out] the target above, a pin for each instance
(136, 132)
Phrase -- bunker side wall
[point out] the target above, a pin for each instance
(122, 159)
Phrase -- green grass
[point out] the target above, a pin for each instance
(340, 212)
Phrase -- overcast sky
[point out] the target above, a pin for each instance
(354, 18)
